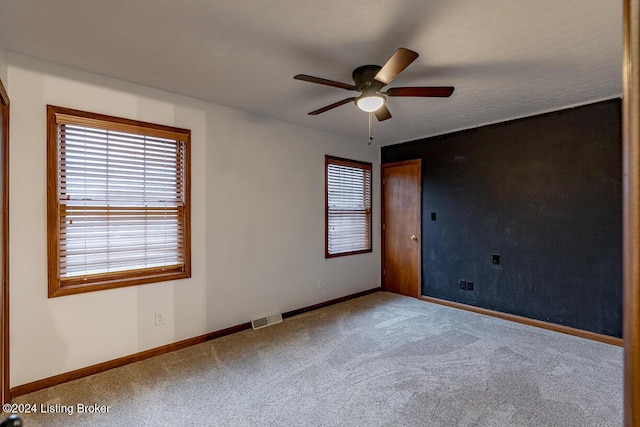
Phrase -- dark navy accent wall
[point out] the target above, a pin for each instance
(545, 194)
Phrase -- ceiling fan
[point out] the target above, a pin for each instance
(370, 79)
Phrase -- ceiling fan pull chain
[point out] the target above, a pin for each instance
(370, 137)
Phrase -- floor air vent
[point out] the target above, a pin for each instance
(262, 322)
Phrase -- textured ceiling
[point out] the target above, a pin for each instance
(506, 58)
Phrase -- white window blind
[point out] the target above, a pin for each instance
(121, 199)
(348, 206)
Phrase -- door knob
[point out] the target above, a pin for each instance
(413, 237)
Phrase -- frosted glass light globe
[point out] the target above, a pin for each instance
(370, 103)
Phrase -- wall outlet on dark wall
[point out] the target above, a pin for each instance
(465, 285)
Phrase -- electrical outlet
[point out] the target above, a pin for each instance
(495, 259)
(320, 284)
(469, 286)
(159, 318)
(463, 284)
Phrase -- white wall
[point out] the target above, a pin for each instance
(3, 65)
(257, 214)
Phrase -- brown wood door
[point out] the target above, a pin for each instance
(4, 246)
(401, 237)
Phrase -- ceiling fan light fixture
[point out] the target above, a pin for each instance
(370, 103)
(369, 81)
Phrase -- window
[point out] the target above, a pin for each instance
(348, 207)
(117, 202)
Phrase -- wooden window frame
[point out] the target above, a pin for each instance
(132, 277)
(329, 160)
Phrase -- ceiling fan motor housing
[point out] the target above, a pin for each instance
(364, 77)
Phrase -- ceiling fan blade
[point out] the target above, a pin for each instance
(424, 91)
(332, 106)
(399, 61)
(326, 82)
(382, 113)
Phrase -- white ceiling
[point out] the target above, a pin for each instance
(506, 58)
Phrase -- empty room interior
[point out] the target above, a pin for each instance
(299, 213)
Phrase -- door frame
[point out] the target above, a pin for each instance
(384, 166)
(631, 210)
(5, 391)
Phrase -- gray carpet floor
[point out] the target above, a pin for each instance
(378, 360)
